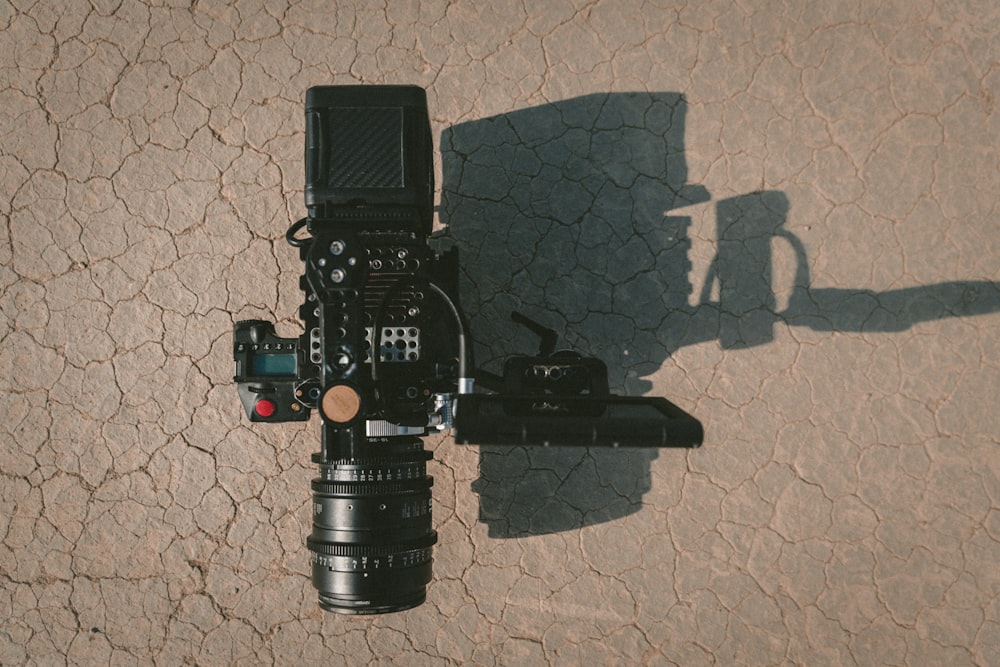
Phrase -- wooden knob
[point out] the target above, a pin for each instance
(340, 403)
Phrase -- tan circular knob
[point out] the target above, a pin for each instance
(340, 403)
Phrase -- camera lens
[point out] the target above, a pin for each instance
(372, 535)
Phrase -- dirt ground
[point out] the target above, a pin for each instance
(782, 216)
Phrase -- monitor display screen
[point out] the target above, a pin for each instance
(273, 364)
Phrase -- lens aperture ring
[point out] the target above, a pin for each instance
(390, 453)
(364, 489)
(402, 457)
(421, 546)
(395, 468)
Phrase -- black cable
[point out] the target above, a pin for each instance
(462, 350)
(293, 230)
(376, 348)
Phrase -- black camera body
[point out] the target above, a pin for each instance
(385, 356)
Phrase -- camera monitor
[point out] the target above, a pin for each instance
(574, 421)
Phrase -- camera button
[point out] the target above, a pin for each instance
(264, 407)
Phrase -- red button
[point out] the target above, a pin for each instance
(264, 407)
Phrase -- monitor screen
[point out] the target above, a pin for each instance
(273, 364)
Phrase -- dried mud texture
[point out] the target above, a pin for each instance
(647, 178)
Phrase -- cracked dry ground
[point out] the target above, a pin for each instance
(845, 508)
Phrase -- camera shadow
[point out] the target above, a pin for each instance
(561, 212)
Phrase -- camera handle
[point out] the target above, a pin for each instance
(547, 337)
(756, 330)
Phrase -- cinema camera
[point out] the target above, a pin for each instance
(386, 356)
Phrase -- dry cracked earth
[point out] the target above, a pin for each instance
(782, 216)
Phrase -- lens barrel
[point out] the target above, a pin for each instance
(372, 534)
